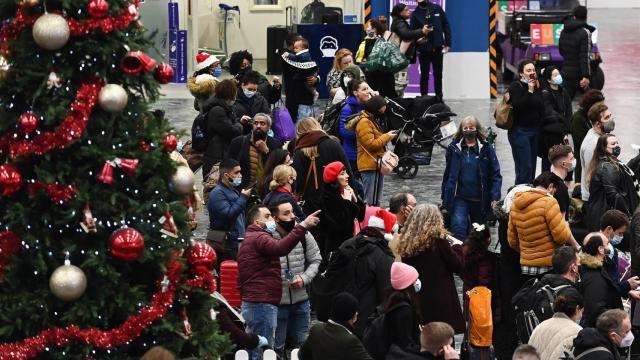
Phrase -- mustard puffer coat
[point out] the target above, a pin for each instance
(536, 227)
(369, 137)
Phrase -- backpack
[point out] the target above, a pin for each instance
(199, 138)
(533, 304)
(330, 119)
(375, 338)
(504, 114)
(480, 316)
(569, 355)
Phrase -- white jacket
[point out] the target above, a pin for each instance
(554, 336)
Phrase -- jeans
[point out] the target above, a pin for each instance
(524, 147)
(465, 211)
(372, 191)
(427, 58)
(293, 323)
(304, 111)
(261, 319)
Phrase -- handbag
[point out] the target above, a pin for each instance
(385, 56)
(194, 158)
(283, 127)
(386, 163)
(504, 115)
(217, 239)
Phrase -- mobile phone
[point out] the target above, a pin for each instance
(532, 76)
(252, 185)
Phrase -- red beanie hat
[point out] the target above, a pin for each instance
(402, 275)
(331, 172)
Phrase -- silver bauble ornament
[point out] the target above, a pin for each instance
(182, 180)
(113, 98)
(68, 282)
(51, 31)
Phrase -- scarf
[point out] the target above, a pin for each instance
(311, 138)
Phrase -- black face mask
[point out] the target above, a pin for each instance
(469, 134)
(287, 225)
(423, 4)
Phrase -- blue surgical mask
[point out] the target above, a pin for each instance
(270, 226)
(611, 251)
(270, 133)
(417, 286)
(577, 321)
(616, 239)
(236, 181)
(217, 72)
(557, 80)
(248, 93)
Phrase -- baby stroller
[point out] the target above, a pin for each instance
(421, 122)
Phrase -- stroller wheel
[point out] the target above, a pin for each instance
(407, 167)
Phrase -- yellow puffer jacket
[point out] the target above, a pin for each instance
(368, 137)
(536, 227)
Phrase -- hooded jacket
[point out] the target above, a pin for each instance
(370, 141)
(250, 106)
(348, 136)
(590, 338)
(222, 127)
(202, 91)
(575, 47)
(536, 227)
(598, 288)
(554, 336)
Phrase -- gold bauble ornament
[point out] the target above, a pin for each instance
(51, 31)
(29, 3)
(113, 98)
(182, 180)
(4, 68)
(68, 282)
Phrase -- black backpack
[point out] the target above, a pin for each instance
(375, 338)
(330, 119)
(533, 304)
(199, 137)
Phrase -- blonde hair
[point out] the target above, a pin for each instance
(304, 126)
(482, 134)
(280, 176)
(340, 54)
(424, 225)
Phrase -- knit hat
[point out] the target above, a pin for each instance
(343, 307)
(205, 60)
(353, 70)
(331, 172)
(402, 275)
(384, 221)
(202, 78)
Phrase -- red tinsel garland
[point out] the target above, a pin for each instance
(103, 339)
(56, 192)
(9, 245)
(71, 128)
(121, 21)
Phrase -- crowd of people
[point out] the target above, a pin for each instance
(324, 268)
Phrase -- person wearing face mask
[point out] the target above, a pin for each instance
(252, 150)
(222, 127)
(580, 125)
(537, 227)
(602, 123)
(612, 332)
(382, 81)
(555, 125)
(563, 162)
(250, 102)
(371, 144)
(203, 82)
(351, 72)
(282, 187)
(553, 337)
(596, 285)
(472, 183)
(612, 184)
(259, 269)
(298, 268)
(241, 62)
(226, 208)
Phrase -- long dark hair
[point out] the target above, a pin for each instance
(276, 157)
(600, 154)
(407, 295)
(477, 240)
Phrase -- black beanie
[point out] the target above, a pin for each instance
(373, 105)
(343, 307)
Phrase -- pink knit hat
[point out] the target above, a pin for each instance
(402, 275)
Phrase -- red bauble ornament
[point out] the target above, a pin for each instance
(137, 61)
(10, 179)
(28, 122)
(164, 73)
(106, 176)
(170, 143)
(144, 146)
(201, 257)
(98, 9)
(126, 244)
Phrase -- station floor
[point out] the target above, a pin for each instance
(619, 42)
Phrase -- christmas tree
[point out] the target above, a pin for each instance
(96, 260)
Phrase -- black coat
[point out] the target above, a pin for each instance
(599, 290)
(222, 128)
(239, 150)
(250, 107)
(557, 111)
(268, 91)
(611, 187)
(575, 46)
(590, 338)
(434, 16)
(634, 243)
(327, 341)
(528, 108)
(337, 221)
(398, 353)
(402, 324)
(401, 28)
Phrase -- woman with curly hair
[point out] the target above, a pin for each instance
(242, 61)
(422, 243)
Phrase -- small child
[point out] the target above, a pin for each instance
(301, 51)
(302, 56)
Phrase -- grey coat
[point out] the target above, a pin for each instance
(295, 261)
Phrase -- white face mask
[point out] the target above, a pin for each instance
(627, 340)
(346, 80)
(417, 285)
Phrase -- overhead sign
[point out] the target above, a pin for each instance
(515, 5)
(545, 34)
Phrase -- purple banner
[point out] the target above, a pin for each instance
(413, 76)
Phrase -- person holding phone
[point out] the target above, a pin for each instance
(371, 145)
(525, 97)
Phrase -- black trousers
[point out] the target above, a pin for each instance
(427, 58)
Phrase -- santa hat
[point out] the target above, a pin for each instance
(202, 78)
(403, 275)
(331, 172)
(385, 221)
(205, 60)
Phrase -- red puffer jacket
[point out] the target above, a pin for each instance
(259, 263)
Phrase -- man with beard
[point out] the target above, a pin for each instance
(252, 150)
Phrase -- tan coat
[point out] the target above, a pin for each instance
(536, 227)
(553, 337)
(368, 137)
